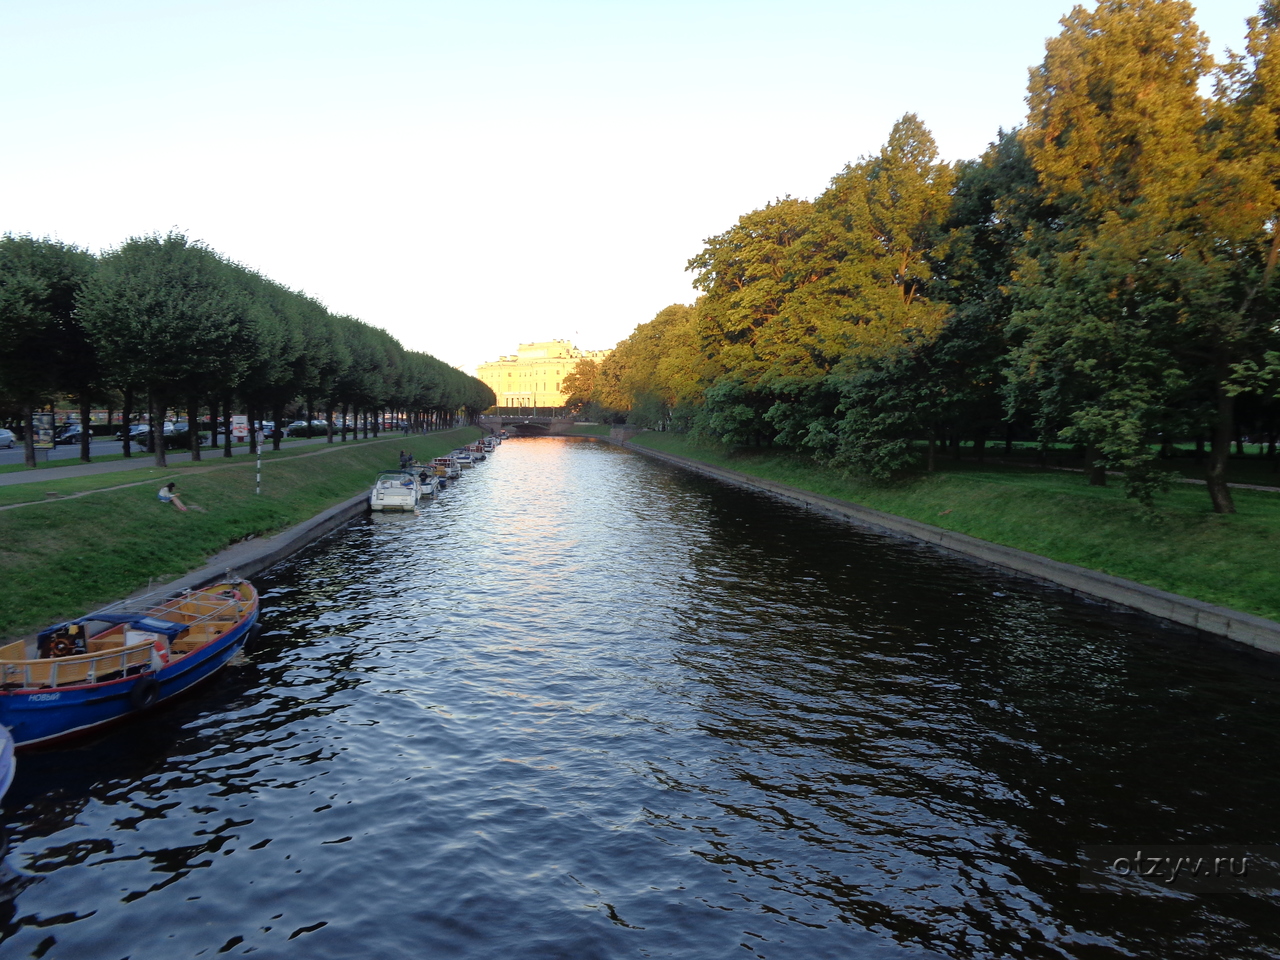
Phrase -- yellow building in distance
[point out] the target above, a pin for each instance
(532, 376)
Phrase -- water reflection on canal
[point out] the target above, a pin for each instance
(589, 706)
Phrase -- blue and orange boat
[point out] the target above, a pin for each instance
(84, 674)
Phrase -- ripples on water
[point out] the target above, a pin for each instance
(589, 706)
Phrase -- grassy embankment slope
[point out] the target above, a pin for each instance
(1227, 560)
(62, 558)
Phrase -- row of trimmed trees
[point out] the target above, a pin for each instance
(1103, 276)
(161, 323)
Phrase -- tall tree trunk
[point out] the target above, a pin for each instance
(213, 421)
(345, 409)
(29, 436)
(126, 418)
(328, 423)
(1220, 448)
(227, 437)
(980, 444)
(193, 427)
(278, 432)
(1097, 472)
(1008, 439)
(929, 459)
(252, 414)
(85, 435)
(156, 433)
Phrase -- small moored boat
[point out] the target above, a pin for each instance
(446, 467)
(395, 490)
(429, 484)
(121, 660)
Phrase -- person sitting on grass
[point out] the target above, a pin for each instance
(167, 495)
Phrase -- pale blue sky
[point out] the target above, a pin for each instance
(471, 176)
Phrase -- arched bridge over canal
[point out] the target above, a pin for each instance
(528, 425)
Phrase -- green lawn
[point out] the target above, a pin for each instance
(1227, 560)
(64, 557)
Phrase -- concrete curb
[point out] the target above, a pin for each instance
(1244, 628)
(249, 558)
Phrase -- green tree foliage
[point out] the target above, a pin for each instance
(1147, 297)
(799, 296)
(170, 320)
(580, 383)
(42, 344)
(643, 376)
(883, 226)
(1103, 276)
(158, 308)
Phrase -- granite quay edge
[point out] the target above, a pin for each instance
(1234, 625)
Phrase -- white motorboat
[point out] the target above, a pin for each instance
(395, 490)
(430, 486)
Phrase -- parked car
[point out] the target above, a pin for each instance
(71, 433)
(137, 433)
(7, 439)
(180, 433)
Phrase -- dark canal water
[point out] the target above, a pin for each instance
(587, 706)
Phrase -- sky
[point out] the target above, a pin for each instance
(472, 176)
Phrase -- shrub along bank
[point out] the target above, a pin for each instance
(1225, 559)
(62, 558)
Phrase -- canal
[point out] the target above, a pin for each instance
(588, 706)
